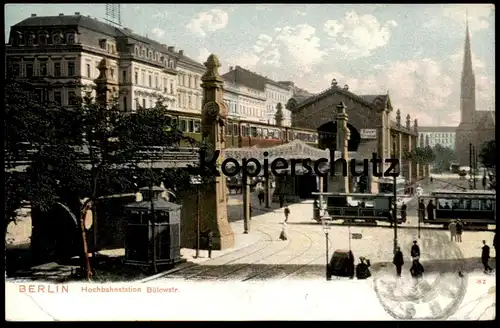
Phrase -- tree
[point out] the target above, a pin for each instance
(488, 155)
(420, 155)
(443, 157)
(61, 138)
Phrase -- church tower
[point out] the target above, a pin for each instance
(468, 85)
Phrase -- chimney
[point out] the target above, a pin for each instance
(181, 52)
(171, 49)
(61, 14)
(231, 68)
(33, 15)
(127, 29)
(77, 13)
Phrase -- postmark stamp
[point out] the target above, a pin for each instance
(437, 295)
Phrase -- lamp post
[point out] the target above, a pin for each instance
(394, 208)
(196, 180)
(326, 228)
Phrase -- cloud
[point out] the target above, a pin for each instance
(300, 13)
(158, 32)
(212, 20)
(456, 61)
(203, 55)
(161, 15)
(357, 36)
(477, 14)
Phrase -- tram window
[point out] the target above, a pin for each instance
(457, 204)
(444, 204)
(197, 126)
(253, 131)
(486, 205)
(236, 130)
(183, 125)
(229, 131)
(265, 133)
(474, 204)
(190, 126)
(259, 132)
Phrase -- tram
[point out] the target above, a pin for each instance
(476, 208)
(355, 208)
(386, 186)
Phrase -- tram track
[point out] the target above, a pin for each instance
(196, 270)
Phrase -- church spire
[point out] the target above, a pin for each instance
(468, 87)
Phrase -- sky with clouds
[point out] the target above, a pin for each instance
(413, 51)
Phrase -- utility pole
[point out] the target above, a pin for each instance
(153, 226)
(470, 164)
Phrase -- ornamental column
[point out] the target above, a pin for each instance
(214, 193)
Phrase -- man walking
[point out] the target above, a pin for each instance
(398, 261)
(209, 242)
(485, 257)
(453, 230)
(287, 213)
(460, 228)
(421, 210)
(415, 251)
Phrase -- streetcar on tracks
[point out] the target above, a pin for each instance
(475, 208)
(356, 208)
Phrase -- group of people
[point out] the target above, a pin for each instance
(456, 228)
(429, 209)
(416, 269)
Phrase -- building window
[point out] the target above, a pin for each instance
(71, 39)
(196, 82)
(156, 82)
(71, 69)
(150, 81)
(124, 76)
(16, 69)
(197, 126)
(29, 70)
(71, 98)
(30, 40)
(112, 72)
(89, 71)
(43, 69)
(57, 69)
(190, 101)
(183, 126)
(124, 104)
(144, 103)
(190, 126)
(57, 97)
(171, 87)
(150, 103)
(143, 78)
(178, 100)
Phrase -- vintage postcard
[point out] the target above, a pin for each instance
(250, 162)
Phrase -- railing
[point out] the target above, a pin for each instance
(357, 212)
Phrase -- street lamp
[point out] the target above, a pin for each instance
(196, 180)
(395, 205)
(326, 229)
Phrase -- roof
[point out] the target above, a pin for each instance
(250, 79)
(439, 129)
(105, 28)
(371, 100)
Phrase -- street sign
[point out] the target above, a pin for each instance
(368, 133)
(356, 236)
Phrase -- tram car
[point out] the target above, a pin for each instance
(356, 208)
(241, 133)
(476, 208)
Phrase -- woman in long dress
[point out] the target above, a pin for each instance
(283, 234)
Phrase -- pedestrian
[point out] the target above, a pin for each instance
(417, 269)
(283, 234)
(415, 251)
(287, 213)
(453, 230)
(403, 212)
(484, 182)
(495, 243)
(460, 229)
(398, 261)
(260, 195)
(430, 210)
(485, 257)
(432, 179)
(389, 218)
(209, 242)
(282, 200)
(421, 210)
(362, 269)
